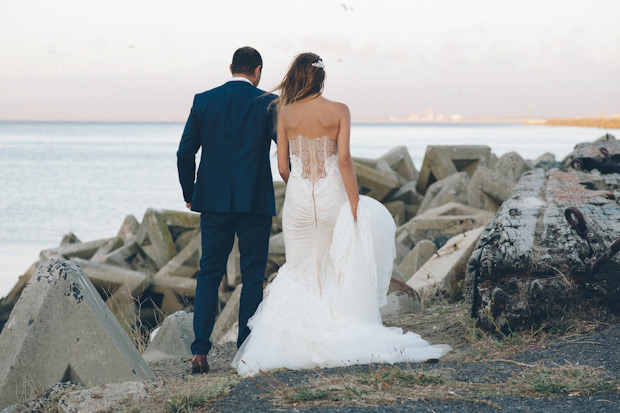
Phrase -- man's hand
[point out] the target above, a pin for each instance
(188, 205)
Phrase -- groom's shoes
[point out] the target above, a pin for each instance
(199, 364)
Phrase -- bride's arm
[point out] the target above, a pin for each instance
(345, 162)
(282, 151)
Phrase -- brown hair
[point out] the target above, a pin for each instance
(301, 80)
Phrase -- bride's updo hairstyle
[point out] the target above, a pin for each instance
(305, 77)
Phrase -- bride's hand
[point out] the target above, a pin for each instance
(354, 211)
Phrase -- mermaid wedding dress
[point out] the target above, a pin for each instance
(322, 309)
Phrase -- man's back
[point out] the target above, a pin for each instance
(234, 125)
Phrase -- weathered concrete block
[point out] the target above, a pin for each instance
(121, 256)
(173, 339)
(69, 238)
(227, 317)
(511, 166)
(446, 221)
(450, 189)
(546, 161)
(438, 277)
(397, 273)
(487, 189)
(129, 228)
(61, 330)
(603, 154)
(82, 250)
(155, 238)
(443, 161)
(530, 265)
(175, 267)
(104, 250)
(102, 398)
(109, 277)
(376, 182)
(399, 303)
(407, 193)
(397, 209)
(399, 160)
(421, 253)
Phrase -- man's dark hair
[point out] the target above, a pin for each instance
(246, 60)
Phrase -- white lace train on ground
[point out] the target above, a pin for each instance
(336, 321)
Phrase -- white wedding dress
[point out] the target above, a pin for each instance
(322, 309)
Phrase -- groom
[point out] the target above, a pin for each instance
(233, 191)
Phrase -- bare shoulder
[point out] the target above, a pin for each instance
(340, 108)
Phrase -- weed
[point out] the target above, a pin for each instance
(305, 394)
(189, 401)
(563, 380)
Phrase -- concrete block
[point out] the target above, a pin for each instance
(400, 303)
(399, 160)
(69, 238)
(487, 189)
(104, 250)
(61, 330)
(155, 238)
(173, 339)
(397, 209)
(123, 255)
(421, 253)
(180, 285)
(443, 161)
(183, 237)
(397, 274)
(446, 221)
(129, 228)
(103, 398)
(450, 189)
(406, 193)
(401, 252)
(511, 166)
(174, 267)
(438, 277)
(227, 317)
(110, 278)
(402, 237)
(276, 244)
(82, 250)
(376, 182)
(187, 220)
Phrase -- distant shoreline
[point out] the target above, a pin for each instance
(602, 122)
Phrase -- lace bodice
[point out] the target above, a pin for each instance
(311, 158)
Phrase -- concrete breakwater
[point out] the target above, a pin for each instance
(148, 269)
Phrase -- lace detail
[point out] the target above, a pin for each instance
(313, 154)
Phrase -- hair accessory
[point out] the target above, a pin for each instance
(319, 63)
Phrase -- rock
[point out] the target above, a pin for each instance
(545, 160)
(227, 317)
(104, 250)
(442, 161)
(399, 303)
(421, 253)
(103, 398)
(61, 330)
(129, 228)
(174, 338)
(487, 189)
(450, 189)
(602, 154)
(399, 160)
(81, 250)
(438, 278)
(446, 221)
(69, 238)
(154, 236)
(397, 209)
(177, 267)
(511, 166)
(406, 193)
(376, 182)
(530, 265)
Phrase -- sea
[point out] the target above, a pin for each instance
(85, 177)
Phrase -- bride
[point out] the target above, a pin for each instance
(322, 309)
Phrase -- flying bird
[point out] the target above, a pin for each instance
(346, 8)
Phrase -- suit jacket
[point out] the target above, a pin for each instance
(234, 125)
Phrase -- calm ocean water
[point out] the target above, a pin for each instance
(85, 177)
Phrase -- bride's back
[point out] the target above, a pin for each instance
(314, 118)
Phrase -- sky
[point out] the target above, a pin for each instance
(144, 60)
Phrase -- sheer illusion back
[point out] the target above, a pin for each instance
(313, 156)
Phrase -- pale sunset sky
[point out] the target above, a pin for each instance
(144, 60)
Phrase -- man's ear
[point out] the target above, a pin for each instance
(257, 71)
(230, 68)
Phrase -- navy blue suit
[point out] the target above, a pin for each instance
(233, 190)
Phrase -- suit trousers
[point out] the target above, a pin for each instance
(218, 234)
